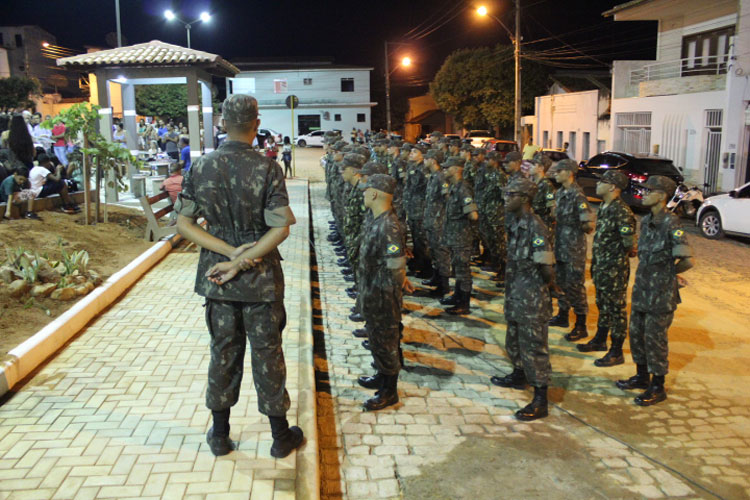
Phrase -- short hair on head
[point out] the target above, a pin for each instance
(43, 158)
(174, 167)
(239, 128)
(185, 140)
(24, 171)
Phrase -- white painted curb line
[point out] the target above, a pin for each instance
(35, 350)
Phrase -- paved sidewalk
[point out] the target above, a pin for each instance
(120, 411)
(453, 434)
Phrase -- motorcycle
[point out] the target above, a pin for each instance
(686, 201)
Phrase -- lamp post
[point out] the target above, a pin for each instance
(516, 39)
(405, 62)
(204, 17)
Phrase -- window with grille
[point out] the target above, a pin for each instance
(337, 117)
(307, 81)
(713, 118)
(706, 53)
(633, 132)
(360, 117)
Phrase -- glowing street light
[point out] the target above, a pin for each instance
(204, 17)
(406, 61)
(482, 10)
(45, 44)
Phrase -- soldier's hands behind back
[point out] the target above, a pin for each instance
(240, 249)
(408, 287)
(222, 272)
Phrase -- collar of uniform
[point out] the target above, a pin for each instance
(383, 214)
(235, 145)
(569, 190)
(521, 221)
(659, 217)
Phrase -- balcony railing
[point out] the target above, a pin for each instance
(691, 66)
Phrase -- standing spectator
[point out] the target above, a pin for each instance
(184, 153)
(20, 144)
(59, 147)
(44, 183)
(367, 136)
(13, 189)
(171, 139)
(162, 131)
(142, 133)
(40, 135)
(184, 132)
(286, 155)
(272, 150)
(529, 149)
(354, 135)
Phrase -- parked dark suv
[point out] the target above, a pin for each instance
(636, 166)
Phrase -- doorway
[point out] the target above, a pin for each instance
(308, 123)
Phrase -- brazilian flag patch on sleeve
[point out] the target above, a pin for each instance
(467, 200)
(678, 233)
(626, 229)
(538, 242)
(550, 196)
(583, 205)
(392, 249)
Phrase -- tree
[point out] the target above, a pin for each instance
(16, 91)
(477, 86)
(164, 101)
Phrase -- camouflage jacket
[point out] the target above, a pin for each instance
(661, 241)
(381, 252)
(614, 237)
(435, 198)
(459, 205)
(488, 191)
(355, 211)
(470, 171)
(414, 190)
(241, 194)
(543, 203)
(572, 211)
(527, 297)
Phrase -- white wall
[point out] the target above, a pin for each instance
(280, 119)
(576, 112)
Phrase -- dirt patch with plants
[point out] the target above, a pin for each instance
(47, 266)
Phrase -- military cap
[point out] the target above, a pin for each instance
(494, 155)
(660, 183)
(395, 143)
(373, 167)
(512, 156)
(407, 146)
(466, 147)
(347, 148)
(443, 140)
(339, 145)
(566, 164)
(436, 133)
(362, 150)
(435, 154)
(239, 109)
(353, 160)
(522, 185)
(380, 136)
(455, 142)
(477, 151)
(454, 161)
(616, 178)
(542, 159)
(420, 147)
(381, 182)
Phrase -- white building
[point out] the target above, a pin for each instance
(580, 119)
(331, 97)
(691, 103)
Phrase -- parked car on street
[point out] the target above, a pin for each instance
(314, 138)
(501, 146)
(725, 214)
(478, 137)
(637, 167)
(555, 154)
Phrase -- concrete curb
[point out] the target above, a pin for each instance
(308, 461)
(26, 357)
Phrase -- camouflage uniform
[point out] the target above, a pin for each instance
(572, 211)
(414, 195)
(434, 221)
(655, 293)
(528, 305)
(241, 194)
(610, 265)
(543, 203)
(457, 234)
(355, 212)
(396, 169)
(489, 196)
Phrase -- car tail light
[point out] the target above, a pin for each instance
(637, 178)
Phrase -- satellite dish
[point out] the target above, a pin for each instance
(111, 39)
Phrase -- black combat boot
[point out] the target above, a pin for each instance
(374, 382)
(614, 357)
(598, 343)
(218, 435)
(360, 333)
(386, 396)
(537, 408)
(285, 439)
(356, 317)
(349, 278)
(637, 381)
(451, 300)
(560, 319)
(424, 272)
(347, 271)
(579, 329)
(515, 379)
(463, 305)
(655, 392)
(343, 262)
(443, 287)
(366, 344)
(352, 294)
(434, 280)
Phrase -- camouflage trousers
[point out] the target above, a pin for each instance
(648, 340)
(385, 340)
(461, 262)
(570, 277)
(527, 347)
(419, 242)
(611, 297)
(493, 239)
(441, 257)
(229, 323)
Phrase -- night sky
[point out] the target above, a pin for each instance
(351, 32)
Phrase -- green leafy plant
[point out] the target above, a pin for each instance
(33, 303)
(74, 261)
(18, 258)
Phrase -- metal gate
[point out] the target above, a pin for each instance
(713, 151)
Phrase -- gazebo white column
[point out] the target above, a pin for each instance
(128, 117)
(105, 129)
(193, 110)
(208, 118)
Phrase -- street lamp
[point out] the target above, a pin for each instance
(405, 62)
(516, 39)
(204, 17)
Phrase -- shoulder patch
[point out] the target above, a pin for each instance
(392, 249)
(583, 205)
(626, 229)
(467, 200)
(538, 242)
(446, 185)
(550, 196)
(678, 233)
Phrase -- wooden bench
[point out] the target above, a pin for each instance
(49, 203)
(154, 230)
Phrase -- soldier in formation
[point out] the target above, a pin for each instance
(489, 184)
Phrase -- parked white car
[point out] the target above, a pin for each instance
(314, 138)
(725, 213)
(479, 137)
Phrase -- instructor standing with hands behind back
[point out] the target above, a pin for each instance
(243, 197)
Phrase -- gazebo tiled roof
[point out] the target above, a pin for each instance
(153, 53)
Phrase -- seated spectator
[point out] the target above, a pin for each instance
(119, 135)
(185, 154)
(14, 189)
(173, 183)
(44, 183)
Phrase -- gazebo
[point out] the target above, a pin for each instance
(152, 63)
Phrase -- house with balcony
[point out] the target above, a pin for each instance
(690, 104)
(331, 96)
